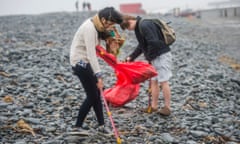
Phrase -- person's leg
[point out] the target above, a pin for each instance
(88, 81)
(83, 75)
(98, 109)
(166, 110)
(155, 90)
(93, 99)
(83, 111)
(163, 66)
(166, 94)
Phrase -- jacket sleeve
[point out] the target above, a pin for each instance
(135, 53)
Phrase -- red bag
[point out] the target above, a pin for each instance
(107, 57)
(119, 95)
(129, 75)
(122, 92)
(135, 72)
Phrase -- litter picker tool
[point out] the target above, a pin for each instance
(118, 139)
(149, 109)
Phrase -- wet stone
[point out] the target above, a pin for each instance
(34, 52)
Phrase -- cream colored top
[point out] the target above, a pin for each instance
(84, 46)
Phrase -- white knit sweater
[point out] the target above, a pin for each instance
(84, 46)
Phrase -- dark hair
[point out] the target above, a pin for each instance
(110, 14)
(125, 24)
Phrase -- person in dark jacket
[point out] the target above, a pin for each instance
(151, 44)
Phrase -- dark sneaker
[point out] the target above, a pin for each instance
(104, 130)
(79, 131)
(165, 111)
(149, 110)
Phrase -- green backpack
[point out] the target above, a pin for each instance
(167, 31)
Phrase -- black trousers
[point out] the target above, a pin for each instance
(93, 99)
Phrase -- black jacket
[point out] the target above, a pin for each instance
(150, 42)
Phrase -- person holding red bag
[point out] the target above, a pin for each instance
(151, 44)
(84, 62)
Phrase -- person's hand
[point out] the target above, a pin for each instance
(128, 59)
(100, 84)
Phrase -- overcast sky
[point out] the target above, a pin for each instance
(9, 7)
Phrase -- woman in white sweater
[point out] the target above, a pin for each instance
(84, 62)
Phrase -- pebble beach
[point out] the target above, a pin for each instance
(38, 87)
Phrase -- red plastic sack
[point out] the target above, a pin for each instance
(135, 72)
(119, 95)
(129, 75)
(107, 57)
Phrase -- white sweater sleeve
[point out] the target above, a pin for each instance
(91, 41)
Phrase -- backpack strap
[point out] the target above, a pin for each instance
(152, 20)
(166, 30)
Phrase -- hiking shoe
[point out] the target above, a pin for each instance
(165, 111)
(79, 131)
(149, 110)
(104, 130)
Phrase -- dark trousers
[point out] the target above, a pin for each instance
(93, 99)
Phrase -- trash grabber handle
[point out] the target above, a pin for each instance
(149, 110)
(111, 119)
